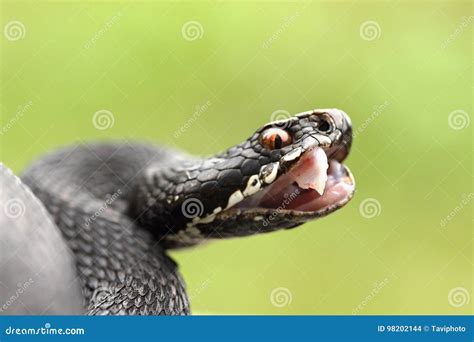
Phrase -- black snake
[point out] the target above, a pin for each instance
(119, 206)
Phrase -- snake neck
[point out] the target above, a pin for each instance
(168, 200)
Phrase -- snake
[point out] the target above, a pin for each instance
(94, 221)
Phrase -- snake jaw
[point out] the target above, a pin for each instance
(311, 177)
(312, 184)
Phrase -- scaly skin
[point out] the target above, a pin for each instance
(123, 269)
(120, 205)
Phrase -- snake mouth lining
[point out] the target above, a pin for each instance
(314, 185)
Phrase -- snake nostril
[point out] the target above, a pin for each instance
(324, 125)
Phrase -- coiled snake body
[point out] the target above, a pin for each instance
(119, 206)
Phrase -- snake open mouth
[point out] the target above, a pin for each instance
(313, 184)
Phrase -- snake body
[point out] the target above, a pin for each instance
(119, 206)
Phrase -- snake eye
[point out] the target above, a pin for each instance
(275, 138)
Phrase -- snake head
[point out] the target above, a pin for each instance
(288, 172)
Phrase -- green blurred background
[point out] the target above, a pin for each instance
(402, 70)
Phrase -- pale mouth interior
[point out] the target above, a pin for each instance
(314, 184)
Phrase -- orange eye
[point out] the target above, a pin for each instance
(275, 138)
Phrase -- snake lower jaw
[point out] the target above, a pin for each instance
(260, 219)
(291, 194)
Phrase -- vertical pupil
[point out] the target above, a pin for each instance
(278, 142)
(273, 139)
